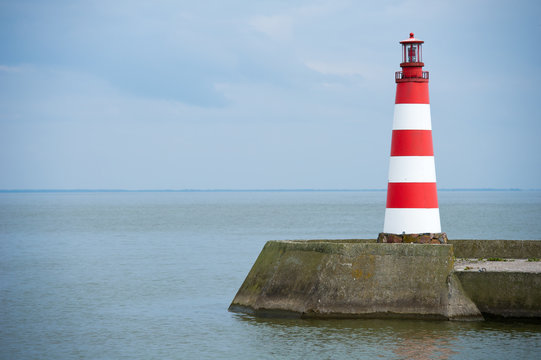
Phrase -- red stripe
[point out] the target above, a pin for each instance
(412, 195)
(412, 143)
(412, 93)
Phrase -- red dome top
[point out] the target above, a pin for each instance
(412, 40)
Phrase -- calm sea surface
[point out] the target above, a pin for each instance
(151, 275)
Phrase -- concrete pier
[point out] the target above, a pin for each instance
(362, 278)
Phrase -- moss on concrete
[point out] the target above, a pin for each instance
(507, 249)
(353, 278)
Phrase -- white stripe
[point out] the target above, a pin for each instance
(412, 117)
(412, 169)
(412, 221)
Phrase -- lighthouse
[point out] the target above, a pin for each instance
(412, 212)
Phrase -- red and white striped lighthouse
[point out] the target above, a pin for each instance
(412, 213)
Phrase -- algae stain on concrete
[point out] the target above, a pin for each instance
(363, 267)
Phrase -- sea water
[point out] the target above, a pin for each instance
(150, 275)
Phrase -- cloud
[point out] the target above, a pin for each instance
(10, 69)
(340, 69)
(161, 52)
(277, 27)
(280, 27)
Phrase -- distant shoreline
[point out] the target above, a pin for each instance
(229, 190)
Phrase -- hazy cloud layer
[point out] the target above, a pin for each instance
(267, 94)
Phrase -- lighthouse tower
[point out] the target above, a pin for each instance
(412, 213)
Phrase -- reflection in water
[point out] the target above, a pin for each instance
(388, 338)
(425, 348)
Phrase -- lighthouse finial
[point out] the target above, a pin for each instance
(411, 35)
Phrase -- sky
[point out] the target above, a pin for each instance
(245, 94)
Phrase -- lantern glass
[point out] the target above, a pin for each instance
(411, 53)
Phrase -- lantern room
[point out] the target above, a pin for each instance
(412, 52)
(412, 61)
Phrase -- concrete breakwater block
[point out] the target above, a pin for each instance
(352, 279)
(506, 294)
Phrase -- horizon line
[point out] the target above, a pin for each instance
(238, 190)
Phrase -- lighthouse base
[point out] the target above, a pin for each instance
(425, 238)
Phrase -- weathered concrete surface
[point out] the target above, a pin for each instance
(508, 249)
(354, 279)
(504, 293)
